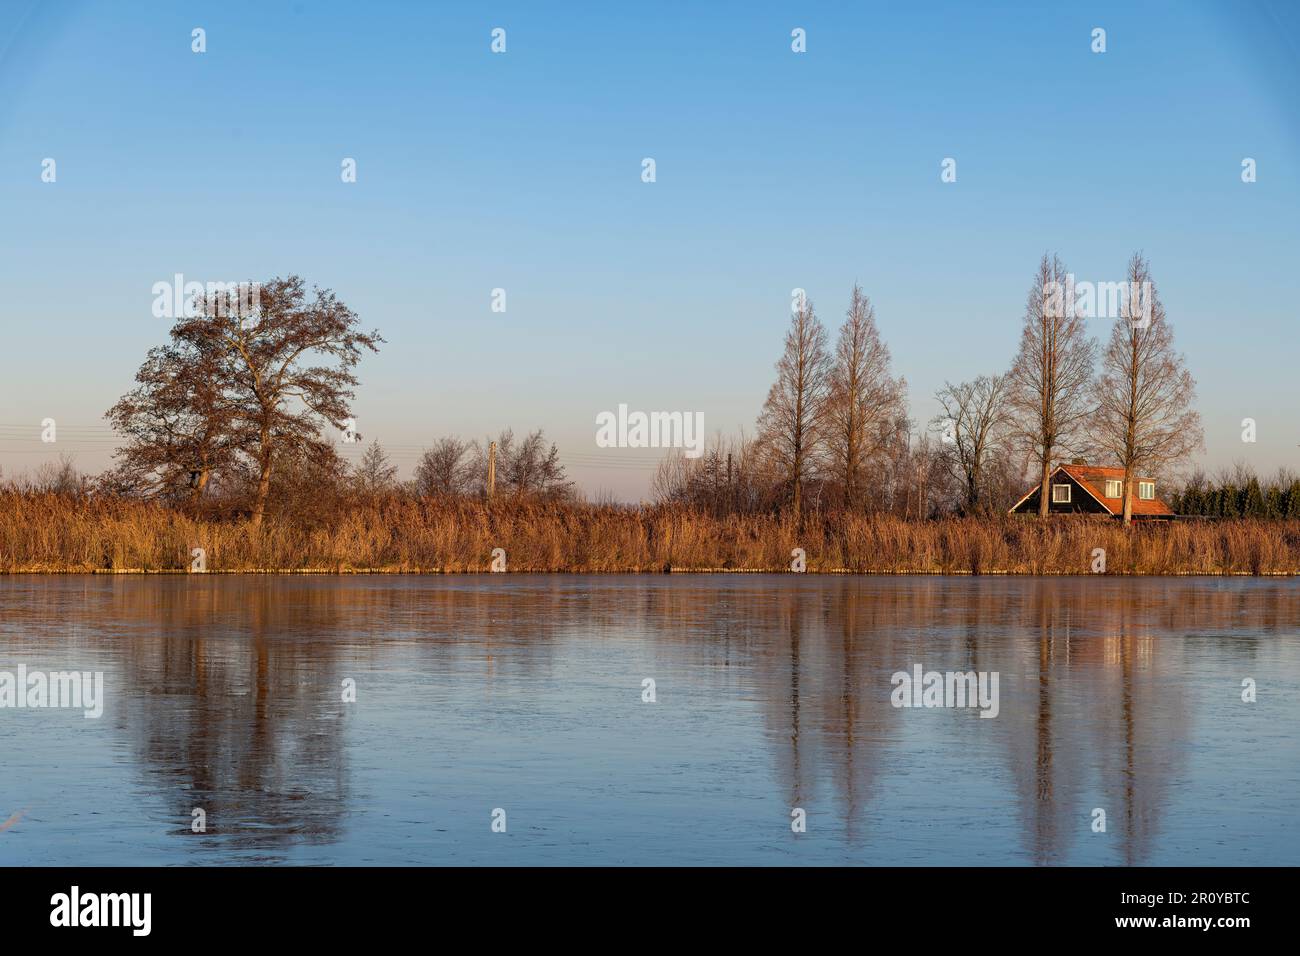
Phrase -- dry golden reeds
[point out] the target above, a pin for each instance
(53, 533)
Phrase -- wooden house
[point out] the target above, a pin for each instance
(1087, 489)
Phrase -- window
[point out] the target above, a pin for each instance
(1060, 494)
(1114, 489)
(1146, 490)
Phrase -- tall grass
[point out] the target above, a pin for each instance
(50, 532)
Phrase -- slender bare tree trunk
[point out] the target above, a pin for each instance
(1128, 495)
(1047, 429)
(797, 440)
(1130, 425)
(798, 501)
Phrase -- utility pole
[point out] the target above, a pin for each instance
(492, 469)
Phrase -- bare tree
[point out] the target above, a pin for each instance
(443, 470)
(528, 468)
(535, 469)
(730, 477)
(918, 480)
(974, 425)
(374, 473)
(281, 402)
(789, 426)
(864, 402)
(62, 478)
(1051, 376)
(1144, 394)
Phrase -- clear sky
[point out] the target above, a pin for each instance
(522, 171)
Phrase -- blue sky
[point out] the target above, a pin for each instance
(521, 170)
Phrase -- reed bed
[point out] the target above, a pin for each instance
(54, 533)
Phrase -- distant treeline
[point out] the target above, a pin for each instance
(241, 414)
(241, 409)
(1240, 495)
(730, 478)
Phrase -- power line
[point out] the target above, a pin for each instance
(98, 439)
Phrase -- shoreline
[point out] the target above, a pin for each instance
(827, 572)
(50, 534)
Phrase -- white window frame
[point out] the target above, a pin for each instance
(1147, 490)
(1119, 488)
(1061, 501)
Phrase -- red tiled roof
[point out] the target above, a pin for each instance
(1093, 478)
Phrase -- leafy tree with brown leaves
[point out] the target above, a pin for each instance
(178, 423)
(280, 402)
